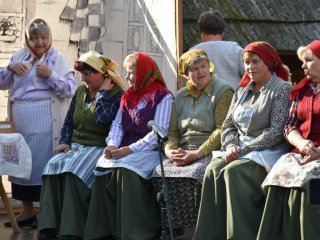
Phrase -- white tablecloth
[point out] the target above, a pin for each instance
(15, 156)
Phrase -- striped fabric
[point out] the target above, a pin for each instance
(33, 121)
(79, 160)
(87, 23)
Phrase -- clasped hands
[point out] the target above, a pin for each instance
(180, 157)
(21, 69)
(309, 150)
(116, 153)
(232, 154)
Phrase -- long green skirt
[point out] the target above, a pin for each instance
(123, 206)
(231, 201)
(64, 204)
(289, 216)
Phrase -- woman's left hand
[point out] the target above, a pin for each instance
(120, 152)
(314, 154)
(43, 71)
(106, 84)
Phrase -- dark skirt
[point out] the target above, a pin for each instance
(28, 193)
(184, 201)
(231, 201)
(288, 215)
(123, 205)
(184, 184)
(64, 204)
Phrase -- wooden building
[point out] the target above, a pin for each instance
(285, 24)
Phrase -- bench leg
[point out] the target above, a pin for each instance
(7, 204)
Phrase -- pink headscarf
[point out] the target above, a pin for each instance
(315, 49)
(270, 57)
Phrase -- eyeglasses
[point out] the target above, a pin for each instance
(83, 74)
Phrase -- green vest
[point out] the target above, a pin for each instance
(196, 120)
(85, 129)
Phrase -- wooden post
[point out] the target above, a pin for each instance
(179, 39)
(7, 204)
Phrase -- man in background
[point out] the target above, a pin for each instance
(226, 55)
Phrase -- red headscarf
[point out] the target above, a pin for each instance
(148, 81)
(270, 57)
(315, 49)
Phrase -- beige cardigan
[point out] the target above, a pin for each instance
(59, 106)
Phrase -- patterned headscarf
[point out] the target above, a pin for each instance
(270, 57)
(37, 24)
(104, 65)
(189, 57)
(314, 47)
(148, 81)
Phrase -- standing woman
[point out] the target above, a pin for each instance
(252, 140)
(41, 84)
(288, 213)
(123, 204)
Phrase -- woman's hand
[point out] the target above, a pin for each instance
(107, 151)
(120, 152)
(232, 154)
(181, 157)
(306, 147)
(106, 84)
(314, 154)
(18, 68)
(61, 148)
(43, 71)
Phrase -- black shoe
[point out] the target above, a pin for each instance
(29, 222)
(47, 234)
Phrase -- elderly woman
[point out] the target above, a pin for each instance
(252, 140)
(41, 84)
(68, 176)
(195, 131)
(123, 205)
(288, 214)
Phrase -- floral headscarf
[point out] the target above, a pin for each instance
(270, 57)
(104, 65)
(314, 47)
(149, 81)
(35, 24)
(189, 56)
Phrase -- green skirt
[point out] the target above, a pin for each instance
(64, 204)
(124, 206)
(289, 216)
(232, 201)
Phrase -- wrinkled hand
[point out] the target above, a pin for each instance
(106, 84)
(61, 148)
(107, 151)
(181, 157)
(313, 155)
(120, 152)
(19, 68)
(43, 71)
(232, 154)
(306, 147)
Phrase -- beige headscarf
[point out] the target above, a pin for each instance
(104, 65)
(37, 24)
